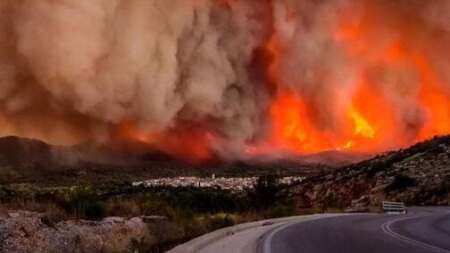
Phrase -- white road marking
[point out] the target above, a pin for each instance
(267, 241)
(387, 228)
(266, 248)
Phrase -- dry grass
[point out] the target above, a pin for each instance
(123, 207)
(51, 212)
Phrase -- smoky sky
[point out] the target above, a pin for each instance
(72, 70)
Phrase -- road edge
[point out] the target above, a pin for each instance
(197, 244)
(387, 229)
(267, 238)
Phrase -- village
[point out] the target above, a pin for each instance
(225, 183)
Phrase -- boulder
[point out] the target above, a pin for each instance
(25, 232)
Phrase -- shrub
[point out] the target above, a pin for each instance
(83, 202)
(54, 214)
(93, 210)
(401, 182)
(280, 211)
(123, 207)
(266, 192)
(331, 201)
(220, 221)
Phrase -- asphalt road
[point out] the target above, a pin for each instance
(422, 230)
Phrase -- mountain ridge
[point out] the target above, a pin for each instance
(27, 160)
(418, 175)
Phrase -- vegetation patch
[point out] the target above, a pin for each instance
(190, 211)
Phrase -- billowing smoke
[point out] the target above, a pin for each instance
(73, 70)
(92, 64)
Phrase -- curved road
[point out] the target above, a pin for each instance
(422, 230)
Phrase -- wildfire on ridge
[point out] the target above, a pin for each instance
(372, 116)
(191, 144)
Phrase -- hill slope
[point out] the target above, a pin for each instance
(31, 161)
(419, 175)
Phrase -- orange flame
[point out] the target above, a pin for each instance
(368, 120)
(191, 144)
(371, 119)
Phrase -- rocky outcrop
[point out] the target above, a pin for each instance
(29, 232)
(419, 175)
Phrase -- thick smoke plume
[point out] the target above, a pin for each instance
(222, 74)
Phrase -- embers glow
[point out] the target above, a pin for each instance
(191, 144)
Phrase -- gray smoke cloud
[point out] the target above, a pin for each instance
(73, 69)
(106, 61)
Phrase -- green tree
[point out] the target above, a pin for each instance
(267, 192)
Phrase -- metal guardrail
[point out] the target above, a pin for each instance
(394, 207)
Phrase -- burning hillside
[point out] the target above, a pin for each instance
(228, 78)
